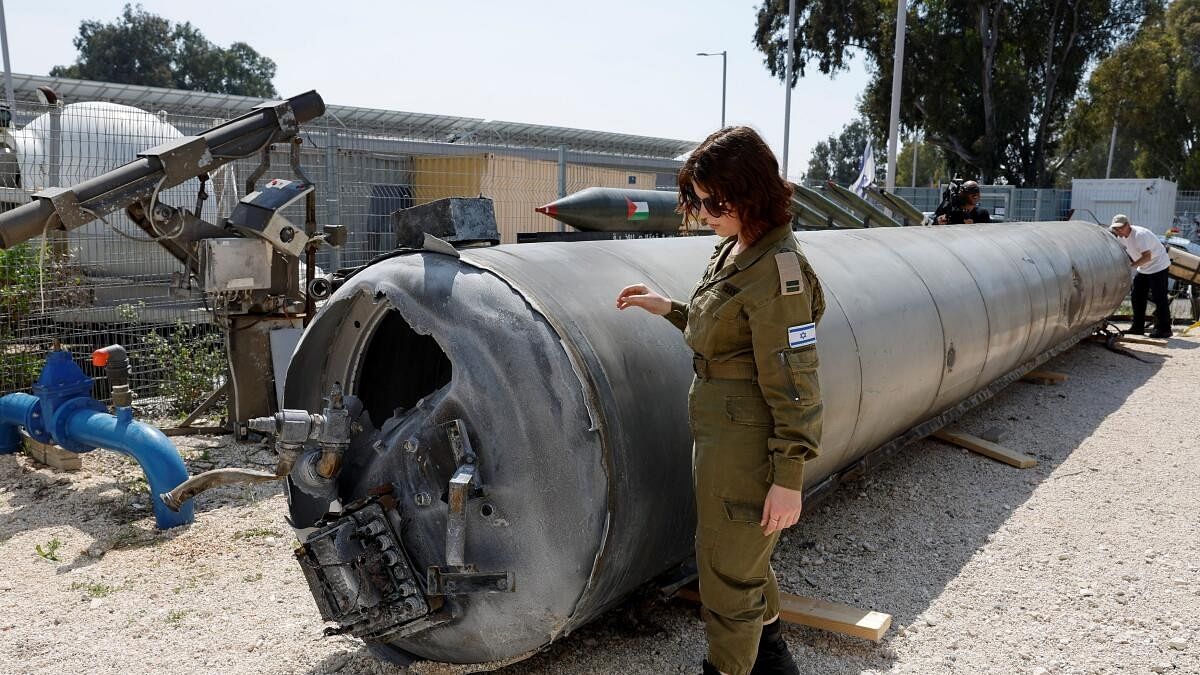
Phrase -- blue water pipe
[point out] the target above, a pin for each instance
(61, 411)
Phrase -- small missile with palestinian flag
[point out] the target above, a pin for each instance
(599, 209)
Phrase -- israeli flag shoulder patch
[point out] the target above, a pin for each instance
(802, 336)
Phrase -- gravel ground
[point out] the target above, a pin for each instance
(1086, 563)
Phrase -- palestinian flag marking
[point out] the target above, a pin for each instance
(636, 210)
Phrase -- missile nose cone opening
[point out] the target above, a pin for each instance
(401, 367)
(548, 209)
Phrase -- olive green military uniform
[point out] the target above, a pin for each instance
(755, 409)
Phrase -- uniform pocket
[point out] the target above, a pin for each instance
(740, 512)
(717, 303)
(751, 411)
(802, 367)
(739, 559)
(728, 310)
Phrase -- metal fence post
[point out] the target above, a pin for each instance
(333, 210)
(562, 179)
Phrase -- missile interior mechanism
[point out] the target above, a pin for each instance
(513, 454)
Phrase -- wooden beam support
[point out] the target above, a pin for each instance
(1044, 377)
(830, 616)
(53, 456)
(986, 448)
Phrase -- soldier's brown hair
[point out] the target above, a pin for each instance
(738, 170)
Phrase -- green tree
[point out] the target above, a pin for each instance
(1148, 88)
(988, 81)
(143, 48)
(931, 165)
(837, 157)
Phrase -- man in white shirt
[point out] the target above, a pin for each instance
(1149, 256)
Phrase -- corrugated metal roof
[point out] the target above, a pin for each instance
(417, 126)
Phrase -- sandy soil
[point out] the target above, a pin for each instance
(1086, 563)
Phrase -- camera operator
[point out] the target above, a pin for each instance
(960, 204)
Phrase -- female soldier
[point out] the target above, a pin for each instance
(755, 405)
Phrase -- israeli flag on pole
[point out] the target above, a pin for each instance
(866, 171)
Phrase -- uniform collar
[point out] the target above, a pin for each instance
(765, 243)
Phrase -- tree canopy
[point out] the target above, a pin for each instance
(1149, 89)
(837, 158)
(147, 49)
(989, 82)
(931, 168)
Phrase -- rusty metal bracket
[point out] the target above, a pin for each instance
(66, 206)
(182, 158)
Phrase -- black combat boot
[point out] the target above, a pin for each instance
(773, 655)
(710, 669)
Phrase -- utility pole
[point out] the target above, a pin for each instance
(787, 84)
(1112, 145)
(897, 77)
(8, 85)
(723, 54)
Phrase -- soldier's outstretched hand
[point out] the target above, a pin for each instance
(639, 295)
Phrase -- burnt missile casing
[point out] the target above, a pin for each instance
(236, 138)
(576, 485)
(599, 209)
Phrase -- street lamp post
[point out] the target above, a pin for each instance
(721, 54)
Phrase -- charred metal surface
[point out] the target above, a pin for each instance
(359, 574)
(575, 414)
(458, 220)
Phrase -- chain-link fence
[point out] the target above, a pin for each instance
(111, 282)
(1187, 214)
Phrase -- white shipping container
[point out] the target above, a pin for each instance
(1149, 202)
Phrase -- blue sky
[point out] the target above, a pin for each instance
(618, 65)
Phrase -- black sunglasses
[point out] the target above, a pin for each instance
(710, 204)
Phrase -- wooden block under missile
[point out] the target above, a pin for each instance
(53, 456)
(986, 448)
(831, 616)
(1140, 340)
(1044, 377)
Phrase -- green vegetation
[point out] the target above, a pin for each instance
(192, 364)
(1148, 89)
(18, 288)
(22, 291)
(989, 82)
(134, 485)
(94, 590)
(144, 48)
(256, 533)
(50, 552)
